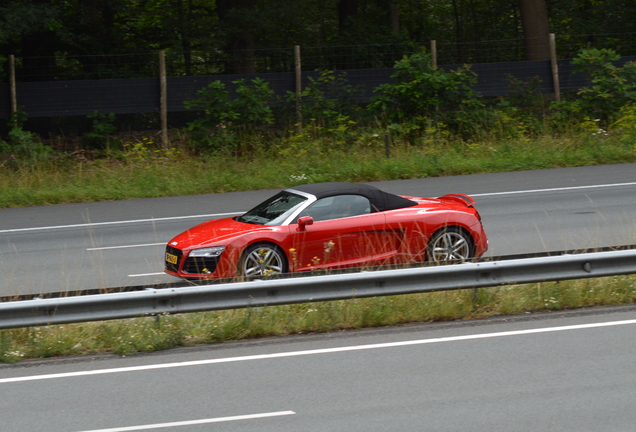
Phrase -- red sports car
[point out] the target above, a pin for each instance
(329, 225)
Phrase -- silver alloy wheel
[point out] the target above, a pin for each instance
(262, 260)
(451, 244)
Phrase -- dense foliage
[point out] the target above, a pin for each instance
(423, 106)
(72, 39)
(61, 39)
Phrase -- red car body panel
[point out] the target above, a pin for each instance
(383, 237)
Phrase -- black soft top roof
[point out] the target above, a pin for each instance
(379, 199)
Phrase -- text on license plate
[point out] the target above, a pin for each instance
(172, 259)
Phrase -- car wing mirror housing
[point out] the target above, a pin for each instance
(304, 221)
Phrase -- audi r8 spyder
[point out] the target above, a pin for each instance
(329, 225)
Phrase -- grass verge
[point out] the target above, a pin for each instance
(125, 337)
(146, 173)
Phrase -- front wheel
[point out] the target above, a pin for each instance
(450, 244)
(262, 259)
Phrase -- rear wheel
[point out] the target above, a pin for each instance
(262, 259)
(450, 244)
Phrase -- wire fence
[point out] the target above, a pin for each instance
(314, 58)
(64, 86)
(85, 67)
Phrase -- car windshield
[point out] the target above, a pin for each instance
(274, 211)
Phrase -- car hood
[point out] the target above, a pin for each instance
(216, 232)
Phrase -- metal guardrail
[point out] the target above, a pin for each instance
(257, 293)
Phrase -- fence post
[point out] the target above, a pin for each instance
(555, 68)
(299, 89)
(14, 93)
(434, 53)
(163, 98)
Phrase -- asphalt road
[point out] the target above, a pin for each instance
(571, 371)
(121, 243)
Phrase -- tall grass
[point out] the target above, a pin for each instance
(277, 163)
(125, 337)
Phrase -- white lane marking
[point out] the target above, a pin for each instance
(236, 213)
(117, 222)
(313, 352)
(195, 422)
(147, 274)
(128, 246)
(553, 189)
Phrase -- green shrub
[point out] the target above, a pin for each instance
(420, 92)
(327, 99)
(222, 119)
(521, 111)
(23, 146)
(252, 106)
(419, 89)
(626, 124)
(103, 127)
(610, 88)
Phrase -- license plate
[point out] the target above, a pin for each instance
(172, 259)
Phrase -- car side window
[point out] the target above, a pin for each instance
(337, 207)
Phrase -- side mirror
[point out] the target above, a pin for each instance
(304, 221)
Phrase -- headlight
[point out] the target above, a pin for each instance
(207, 252)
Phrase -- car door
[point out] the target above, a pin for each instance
(344, 233)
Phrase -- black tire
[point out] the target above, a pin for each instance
(450, 244)
(262, 259)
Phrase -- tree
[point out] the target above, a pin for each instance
(347, 12)
(462, 26)
(585, 23)
(183, 26)
(237, 19)
(28, 30)
(91, 29)
(394, 17)
(536, 29)
(333, 33)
